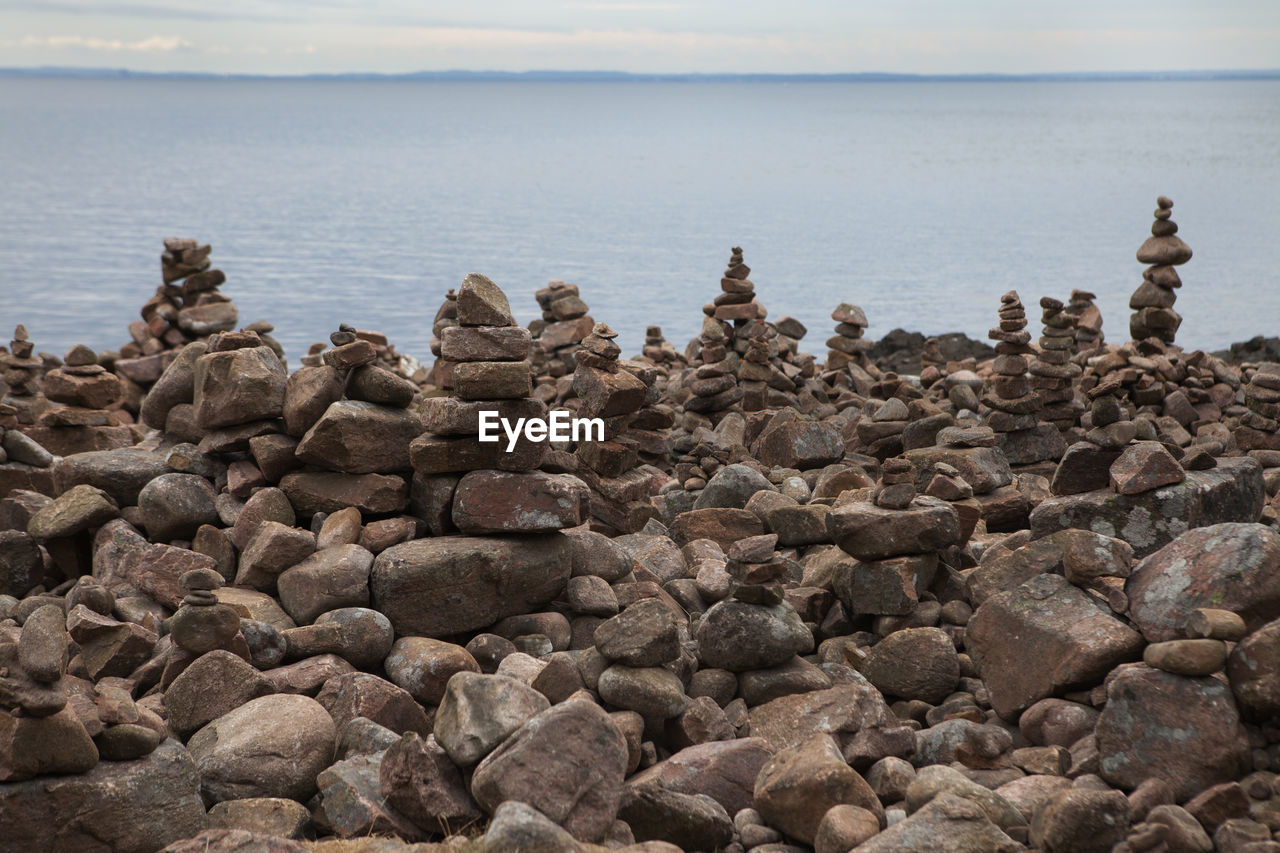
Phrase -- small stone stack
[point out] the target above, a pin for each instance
(22, 369)
(755, 370)
(563, 325)
(89, 417)
(893, 535)
(1260, 427)
(1016, 405)
(441, 371)
(351, 418)
(478, 487)
(848, 346)
(201, 624)
(737, 300)
(1152, 302)
(1088, 322)
(620, 485)
(1053, 375)
(187, 306)
(659, 350)
(714, 383)
(1086, 465)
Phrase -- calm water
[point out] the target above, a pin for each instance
(363, 202)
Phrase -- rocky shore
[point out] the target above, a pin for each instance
(907, 595)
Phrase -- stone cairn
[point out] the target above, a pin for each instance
(478, 487)
(754, 369)
(187, 306)
(737, 301)
(1260, 426)
(88, 417)
(620, 485)
(1016, 405)
(659, 350)
(1087, 320)
(446, 316)
(1053, 375)
(888, 574)
(848, 346)
(557, 334)
(20, 378)
(714, 383)
(1152, 302)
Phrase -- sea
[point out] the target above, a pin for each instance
(331, 201)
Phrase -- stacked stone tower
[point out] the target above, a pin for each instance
(1152, 302)
(1053, 375)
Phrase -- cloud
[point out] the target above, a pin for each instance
(154, 44)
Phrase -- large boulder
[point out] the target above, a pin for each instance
(724, 770)
(450, 584)
(238, 386)
(568, 763)
(1232, 491)
(799, 784)
(361, 438)
(1223, 566)
(869, 532)
(274, 746)
(1042, 638)
(126, 806)
(1184, 731)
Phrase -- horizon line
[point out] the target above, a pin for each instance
(601, 75)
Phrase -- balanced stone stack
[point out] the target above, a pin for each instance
(22, 369)
(620, 486)
(659, 350)
(1053, 375)
(1016, 406)
(1152, 302)
(187, 306)
(1260, 427)
(754, 370)
(563, 325)
(476, 486)
(714, 384)
(89, 417)
(352, 421)
(737, 300)
(440, 374)
(1087, 321)
(1086, 464)
(894, 536)
(848, 346)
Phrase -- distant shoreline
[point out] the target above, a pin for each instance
(628, 77)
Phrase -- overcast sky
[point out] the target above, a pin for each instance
(922, 36)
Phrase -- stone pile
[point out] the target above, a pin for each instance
(1259, 431)
(1087, 322)
(89, 416)
(608, 389)
(1053, 375)
(736, 303)
(894, 537)
(659, 350)
(21, 371)
(714, 382)
(446, 316)
(1016, 405)
(557, 334)
(1152, 302)
(188, 306)
(848, 346)
(228, 638)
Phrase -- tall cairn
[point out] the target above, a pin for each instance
(1053, 375)
(1152, 302)
(1015, 419)
(441, 374)
(563, 325)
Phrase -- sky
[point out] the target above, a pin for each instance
(645, 36)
